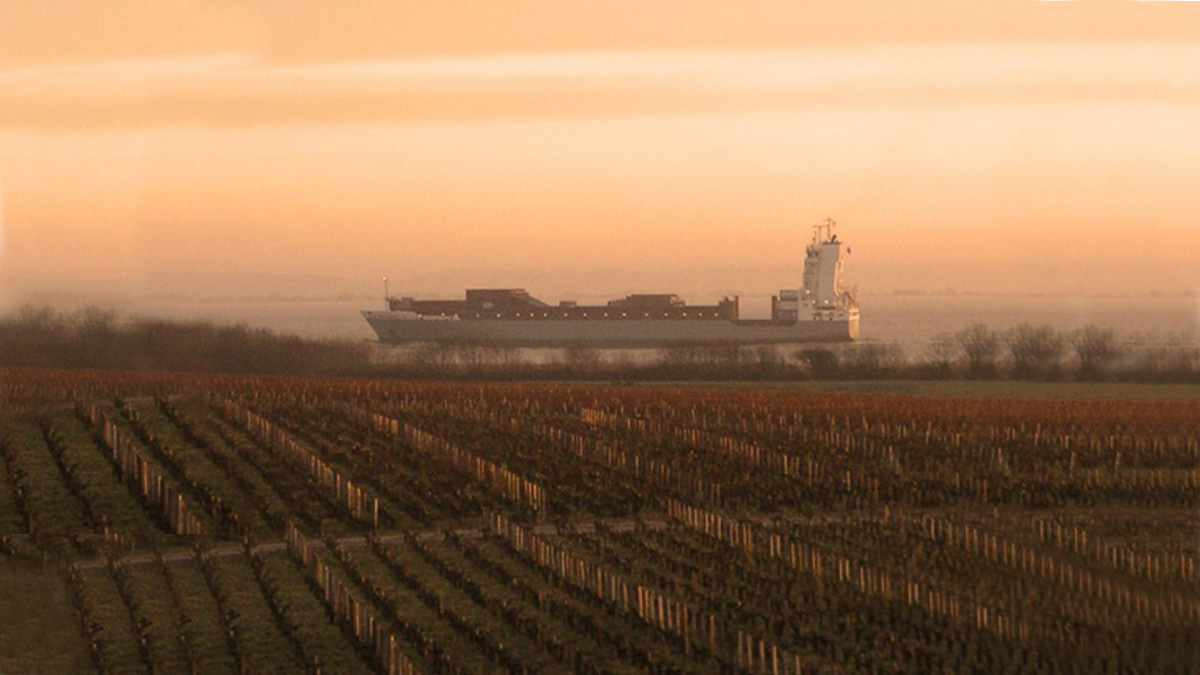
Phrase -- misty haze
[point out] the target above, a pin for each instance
(658, 337)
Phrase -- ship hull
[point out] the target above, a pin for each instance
(394, 328)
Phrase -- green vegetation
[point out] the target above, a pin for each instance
(39, 628)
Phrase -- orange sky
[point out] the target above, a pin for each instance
(982, 145)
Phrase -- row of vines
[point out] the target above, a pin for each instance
(226, 524)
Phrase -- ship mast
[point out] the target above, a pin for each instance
(827, 227)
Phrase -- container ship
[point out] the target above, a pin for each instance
(819, 311)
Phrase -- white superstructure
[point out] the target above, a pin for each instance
(822, 297)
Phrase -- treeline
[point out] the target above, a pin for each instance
(1039, 352)
(96, 338)
(977, 352)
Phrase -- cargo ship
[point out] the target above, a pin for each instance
(819, 311)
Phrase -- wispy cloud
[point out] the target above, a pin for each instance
(107, 73)
(241, 89)
(961, 66)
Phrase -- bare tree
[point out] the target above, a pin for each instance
(679, 355)
(822, 362)
(38, 319)
(439, 355)
(96, 336)
(93, 320)
(721, 353)
(1095, 348)
(942, 352)
(502, 356)
(767, 360)
(981, 347)
(35, 335)
(471, 355)
(1035, 350)
(581, 359)
(875, 358)
(1171, 361)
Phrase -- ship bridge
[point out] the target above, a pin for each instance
(821, 297)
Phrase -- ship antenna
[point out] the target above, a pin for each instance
(827, 226)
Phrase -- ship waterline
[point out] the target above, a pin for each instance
(600, 333)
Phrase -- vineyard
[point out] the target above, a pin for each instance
(245, 524)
